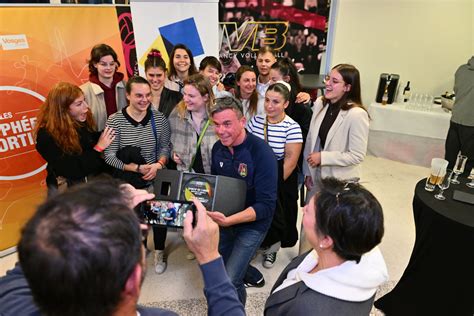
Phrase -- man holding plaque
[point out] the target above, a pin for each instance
(244, 156)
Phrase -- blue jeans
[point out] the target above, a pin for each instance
(237, 246)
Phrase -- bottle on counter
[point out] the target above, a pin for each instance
(385, 96)
(406, 92)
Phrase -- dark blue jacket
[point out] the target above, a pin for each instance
(254, 162)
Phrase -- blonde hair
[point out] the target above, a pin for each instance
(202, 85)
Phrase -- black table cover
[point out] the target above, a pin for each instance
(439, 278)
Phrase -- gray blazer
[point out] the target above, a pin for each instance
(346, 144)
(298, 299)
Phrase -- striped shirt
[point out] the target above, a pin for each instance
(129, 132)
(279, 134)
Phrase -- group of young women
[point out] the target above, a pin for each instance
(72, 131)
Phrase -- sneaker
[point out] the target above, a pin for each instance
(269, 260)
(160, 261)
(259, 283)
(190, 256)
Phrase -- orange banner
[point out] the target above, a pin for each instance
(40, 46)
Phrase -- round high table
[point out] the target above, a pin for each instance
(439, 278)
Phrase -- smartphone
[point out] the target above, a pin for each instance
(162, 212)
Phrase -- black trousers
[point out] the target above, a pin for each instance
(460, 138)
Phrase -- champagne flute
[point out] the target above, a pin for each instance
(443, 185)
(458, 168)
(471, 176)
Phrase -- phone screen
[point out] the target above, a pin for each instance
(166, 213)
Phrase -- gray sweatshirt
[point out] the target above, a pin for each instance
(463, 110)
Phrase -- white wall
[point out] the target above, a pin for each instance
(423, 41)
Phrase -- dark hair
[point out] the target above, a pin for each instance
(227, 103)
(287, 68)
(79, 249)
(210, 61)
(281, 89)
(253, 100)
(192, 67)
(351, 76)
(135, 80)
(351, 216)
(99, 51)
(154, 60)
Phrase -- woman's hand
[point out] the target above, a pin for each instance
(177, 159)
(303, 97)
(150, 171)
(106, 138)
(314, 159)
(220, 86)
(308, 182)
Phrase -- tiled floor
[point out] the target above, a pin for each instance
(391, 182)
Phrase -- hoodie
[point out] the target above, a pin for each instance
(463, 110)
(349, 281)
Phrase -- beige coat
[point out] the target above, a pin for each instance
(346, 144)
(94, 96)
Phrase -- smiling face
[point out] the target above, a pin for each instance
(212, 74)
(264, 62)
(194, 101)
(78, 109)
(247, 84)
(229, 127)
(181, 61)
(106, 67)
(275, 106)
(156, 77)
(139, 97)
(335, 87)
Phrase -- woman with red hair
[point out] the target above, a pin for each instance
(66, 137)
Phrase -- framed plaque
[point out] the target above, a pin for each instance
(202, 186)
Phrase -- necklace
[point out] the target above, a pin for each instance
(265, 127)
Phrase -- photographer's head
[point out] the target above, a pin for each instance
(82, 252)
(343, 218)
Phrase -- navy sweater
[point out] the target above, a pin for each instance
(254, 162)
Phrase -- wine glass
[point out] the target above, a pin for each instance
(471, 176)
(458, 168)
(443, 185)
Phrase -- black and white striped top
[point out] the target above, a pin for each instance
(129, 132)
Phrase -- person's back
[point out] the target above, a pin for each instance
(460, 136)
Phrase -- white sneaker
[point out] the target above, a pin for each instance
(190, 255)
(160, 261)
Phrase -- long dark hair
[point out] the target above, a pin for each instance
(192, 67)
(351, 76)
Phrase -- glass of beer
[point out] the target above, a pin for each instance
(438, 170)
